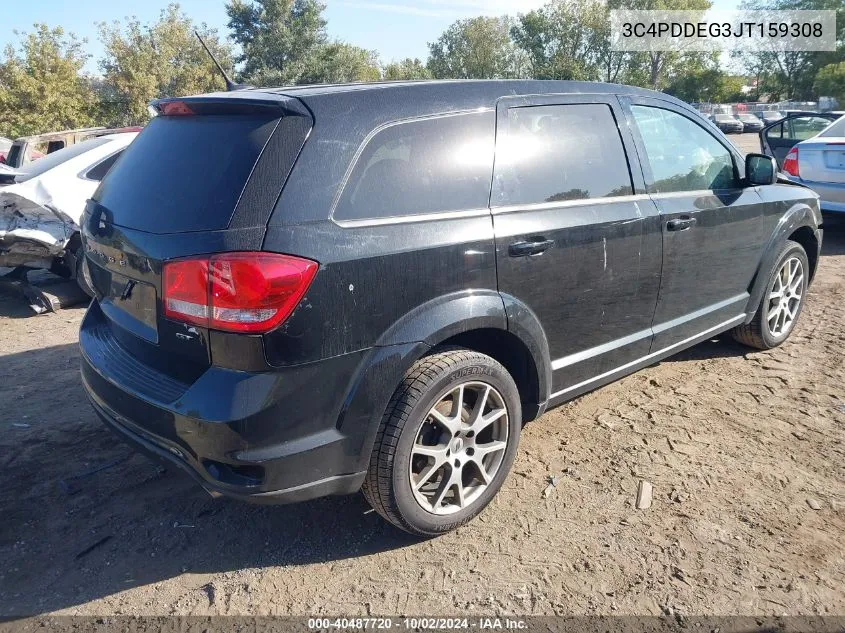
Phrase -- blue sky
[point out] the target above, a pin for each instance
(395, 29)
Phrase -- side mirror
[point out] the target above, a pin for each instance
(760, 169)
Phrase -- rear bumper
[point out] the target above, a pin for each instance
(270, 437)
(831, 195)
(158, 449)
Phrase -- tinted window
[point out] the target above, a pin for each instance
(99, 171)
(185, 173)
(560, 152)
(683, 155)
(424, 166)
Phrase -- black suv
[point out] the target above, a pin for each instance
(315, 290)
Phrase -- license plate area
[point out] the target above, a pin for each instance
(129, 303)
(834, 159)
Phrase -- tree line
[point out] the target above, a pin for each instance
(44, 86)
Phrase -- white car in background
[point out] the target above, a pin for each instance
(810, 150)
(42, 202)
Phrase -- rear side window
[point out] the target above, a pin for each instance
(185, 173)
(98, 171)
(683, 155)
(423, 166)
(560, 152)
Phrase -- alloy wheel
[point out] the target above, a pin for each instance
(459, 448)
(785, 297)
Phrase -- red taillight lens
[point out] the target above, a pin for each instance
(790, 163)
(236, 292)
(185, 291)
(175, 108)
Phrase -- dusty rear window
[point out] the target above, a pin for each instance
(185, 173)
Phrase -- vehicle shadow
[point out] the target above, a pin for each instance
(834, 234)
(84, 516)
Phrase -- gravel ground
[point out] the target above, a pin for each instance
(744, 450)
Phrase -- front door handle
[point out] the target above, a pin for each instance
(525, 249)
(680, 224)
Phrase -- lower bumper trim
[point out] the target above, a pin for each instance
(336, 485)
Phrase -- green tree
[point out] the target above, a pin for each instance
(476, 48)
(406, 69)
(656, 69)
(339, 62)
(567, 39)
(707, 83)
(42, 86)
(699, 85)
(792, 74)
(143, 62)
(285, 42)
(279, 38)
(830, 82)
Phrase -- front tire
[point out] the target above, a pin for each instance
(781, 303)
(446, 442)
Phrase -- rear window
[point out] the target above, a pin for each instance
(184, 173)
(423, 166)
(561, 152)
(835, 129)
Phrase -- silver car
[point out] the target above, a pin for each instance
(810, 150)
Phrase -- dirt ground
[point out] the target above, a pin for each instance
(744, 450)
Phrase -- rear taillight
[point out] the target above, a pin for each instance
(236, 292)
(790, 163)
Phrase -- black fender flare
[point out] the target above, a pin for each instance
(798, 216)
(414, 335)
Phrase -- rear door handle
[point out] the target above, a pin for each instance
(680, 224)
(525, 249)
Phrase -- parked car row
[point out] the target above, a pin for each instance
(744, 121)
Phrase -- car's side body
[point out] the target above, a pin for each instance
(567, 292)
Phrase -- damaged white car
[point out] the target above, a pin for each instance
(42, 203)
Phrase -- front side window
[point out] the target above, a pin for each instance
(560, 152)
(683, 156)
(423, 166)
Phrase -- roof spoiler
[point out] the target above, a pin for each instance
(230, 85)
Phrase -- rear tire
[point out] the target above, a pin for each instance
(80, 274)
(445, 444)
(782, 301)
